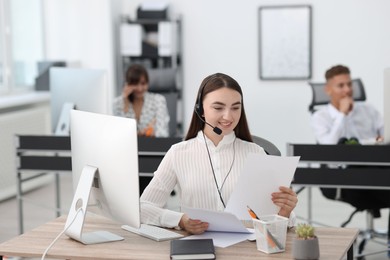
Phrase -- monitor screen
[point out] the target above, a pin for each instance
(105, 173)
(79, 88)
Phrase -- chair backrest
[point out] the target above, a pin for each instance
(268, 147)
(321, 98)
(163, 81)
(172, 99)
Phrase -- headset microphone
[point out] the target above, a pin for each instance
(216, 130)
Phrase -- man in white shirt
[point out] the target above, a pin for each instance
(343, 120)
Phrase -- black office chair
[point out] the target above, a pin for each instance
(268, 147)
(320, 98)
(163, 81)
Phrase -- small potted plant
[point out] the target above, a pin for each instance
(305, 244)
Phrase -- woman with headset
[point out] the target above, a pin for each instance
(207, 164)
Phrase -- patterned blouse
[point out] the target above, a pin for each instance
(154, 109)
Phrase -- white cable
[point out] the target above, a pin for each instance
(59, 235)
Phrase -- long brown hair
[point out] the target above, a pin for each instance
(210, 84)
(134, 73)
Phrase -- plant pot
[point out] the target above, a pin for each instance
(305, 249)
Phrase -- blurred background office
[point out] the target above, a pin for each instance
(225, 39)
(87, 33)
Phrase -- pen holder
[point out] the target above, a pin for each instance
(271, 232)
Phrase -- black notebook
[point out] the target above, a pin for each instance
(192, 249)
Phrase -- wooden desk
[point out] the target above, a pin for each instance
(334, 244)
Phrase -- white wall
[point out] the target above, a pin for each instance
(83, 33)
(222, 36)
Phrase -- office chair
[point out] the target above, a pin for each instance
(163, 81)
(320, 98)
(268, 147)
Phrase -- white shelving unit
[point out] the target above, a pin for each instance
(156, 44)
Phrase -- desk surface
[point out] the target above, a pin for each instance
(334, 244)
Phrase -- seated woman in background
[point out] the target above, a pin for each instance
(149, 109)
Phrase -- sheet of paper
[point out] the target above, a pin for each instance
(218, 220)
(223, 239)
(261, 176)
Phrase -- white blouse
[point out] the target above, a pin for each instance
(154, 108)
(187, 165)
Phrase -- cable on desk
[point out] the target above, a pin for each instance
(60, 234)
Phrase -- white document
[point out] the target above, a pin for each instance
(218, 220)
(261, 176)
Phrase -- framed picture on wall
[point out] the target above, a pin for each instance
(285, 42)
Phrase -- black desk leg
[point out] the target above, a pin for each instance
(350, 253)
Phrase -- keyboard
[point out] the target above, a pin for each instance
(153, 232)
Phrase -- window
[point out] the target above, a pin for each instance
(21, 44)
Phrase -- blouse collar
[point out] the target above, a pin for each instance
(226, 139)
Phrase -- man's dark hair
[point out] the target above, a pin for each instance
(336, 70)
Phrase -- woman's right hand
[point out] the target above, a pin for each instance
(127, 90)
(193, 226)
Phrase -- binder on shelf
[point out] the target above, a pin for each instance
(131, 36)
(166, 42)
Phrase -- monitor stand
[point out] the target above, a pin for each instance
(63, 125)
(78, 210)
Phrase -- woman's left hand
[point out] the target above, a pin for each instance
(286, 199)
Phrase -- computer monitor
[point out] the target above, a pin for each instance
(79, 88)
(105, 173)
(42, 81)
(386, 105)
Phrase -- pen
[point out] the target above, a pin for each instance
(252, 213)
(271, 239)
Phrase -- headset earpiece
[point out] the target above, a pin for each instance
(198, 109)
(198, 105)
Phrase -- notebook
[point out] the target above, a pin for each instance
(192, 249)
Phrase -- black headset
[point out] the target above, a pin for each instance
(198, 109)
(199, 103)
